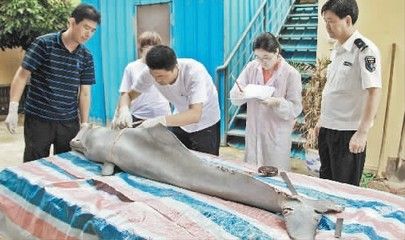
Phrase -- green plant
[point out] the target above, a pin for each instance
(311, 103)
(22, 21)
(303, 68)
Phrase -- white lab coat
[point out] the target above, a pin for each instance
(268, 129)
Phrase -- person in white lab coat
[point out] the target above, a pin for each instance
(269, 122)
(149, 104)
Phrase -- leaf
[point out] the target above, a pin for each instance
(22, 21)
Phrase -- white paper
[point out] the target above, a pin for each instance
(257, 91)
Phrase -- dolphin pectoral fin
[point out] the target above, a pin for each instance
(301, 220)
(107, 169)
(323, 206)
(328, 206)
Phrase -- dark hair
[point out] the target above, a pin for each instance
(266, 41)
(342, 8)
(161, 57)
(85, 11)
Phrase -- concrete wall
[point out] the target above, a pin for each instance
(383, 22)
(10, 60)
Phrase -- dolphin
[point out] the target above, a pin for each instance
(155, 153)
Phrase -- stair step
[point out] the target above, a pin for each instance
(297, 56)
(241, 116)
(307, 8)
(300, 119)
(237, 145)
(306, 5)
(302, 20)
(302, 60)
(298, 139)
(298, 37)
(297, 153)
(299, 31)
(311, 14)
(237, 132)
(306, 75)
(300, 26)
(289, 48)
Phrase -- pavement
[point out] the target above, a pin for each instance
(11, 145)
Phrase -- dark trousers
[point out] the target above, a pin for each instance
(40, 134)
(337, 162)
(135, 119)
(205, 140)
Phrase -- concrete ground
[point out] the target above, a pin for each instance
(11, 145)
(12, 149)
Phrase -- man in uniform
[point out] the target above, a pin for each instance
(350, 97)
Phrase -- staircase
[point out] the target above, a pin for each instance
(298, 37)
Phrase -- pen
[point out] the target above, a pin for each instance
(237, 84)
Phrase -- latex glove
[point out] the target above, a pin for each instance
(12, 117)
(358, 142)
(124, 118)
(272, 101)
(148, 123)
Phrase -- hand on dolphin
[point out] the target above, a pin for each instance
(122, 118)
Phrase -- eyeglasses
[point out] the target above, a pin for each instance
(267, 59)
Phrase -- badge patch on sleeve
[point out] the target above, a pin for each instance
(370, 63)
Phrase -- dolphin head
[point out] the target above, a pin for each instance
(78, 143)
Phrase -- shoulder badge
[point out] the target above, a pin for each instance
(370, 63)
(360, 44)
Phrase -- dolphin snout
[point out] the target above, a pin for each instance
(77, 145)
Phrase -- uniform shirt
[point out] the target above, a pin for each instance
(349, 75)
(193, 85)
(56, 75)
(268, 129)
(150, 103)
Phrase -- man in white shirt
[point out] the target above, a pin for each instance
(350, 97)
(188, 86)
(150, 103)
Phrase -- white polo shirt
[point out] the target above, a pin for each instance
(349, 75)
(193, 85)
(151, 102)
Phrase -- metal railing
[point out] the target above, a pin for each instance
(269, 17)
